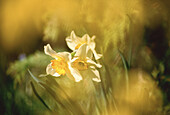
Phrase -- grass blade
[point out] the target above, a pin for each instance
(38, 96)
(126, 71)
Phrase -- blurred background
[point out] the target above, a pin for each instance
(132, 35)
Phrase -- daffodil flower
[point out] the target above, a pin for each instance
(83, 63)
(61, 65)
(74, 42)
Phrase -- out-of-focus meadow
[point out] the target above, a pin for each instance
(132, 35)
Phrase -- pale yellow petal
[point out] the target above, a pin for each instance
(49, 51)
(73, 35)
(65, 55)
(91, 62)
(92, 45)
(70, 43)
(92, 38)
(85, 38)
(82, 52)
(74, 73)
(74, 59)
(89, 53)
(94, 74)
(96, 56)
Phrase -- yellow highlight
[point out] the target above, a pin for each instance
(79, 44)
(59, 65)
(77, 47)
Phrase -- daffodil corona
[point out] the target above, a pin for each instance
(59, 66)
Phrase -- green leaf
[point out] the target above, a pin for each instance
(38, 96)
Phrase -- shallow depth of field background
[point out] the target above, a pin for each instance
(132, 35)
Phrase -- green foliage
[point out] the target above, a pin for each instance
(62, 93)
(18, 69)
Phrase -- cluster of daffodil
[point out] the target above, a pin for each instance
(76, 65)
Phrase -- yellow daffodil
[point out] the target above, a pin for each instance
(61, 65)
(83, 63)
(74, 42)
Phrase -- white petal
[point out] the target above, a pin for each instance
(92, 45)
(91, 42)
(85, 38)
(94, 73)
(96, 56)
(91, 62)
(82, 52)
(74, 73)
(70, 43)
(74, 59)
(73, 35)
(89, 53)
(96, 79)
(65, 55)
(92, 38)
(51, 71)
(49, 51)
(56, 74)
